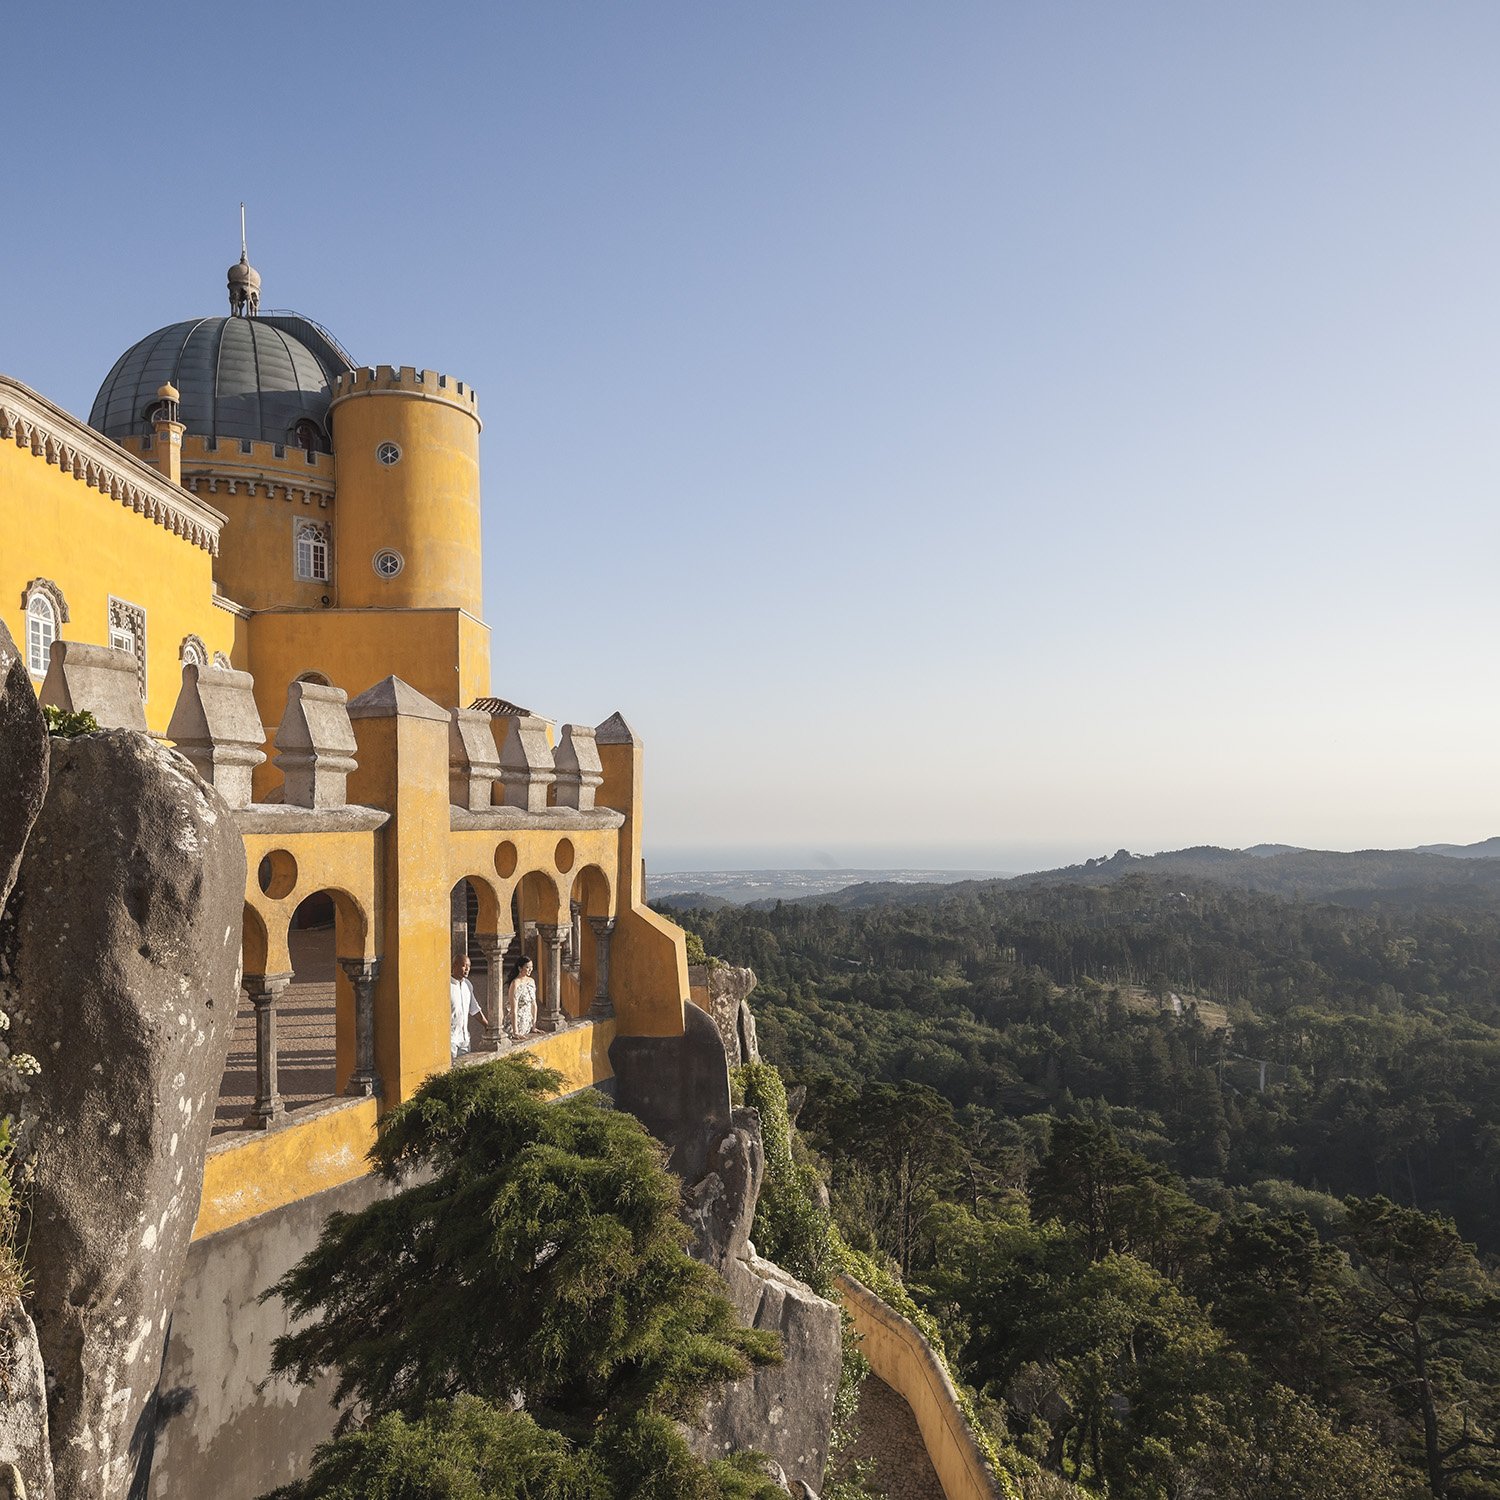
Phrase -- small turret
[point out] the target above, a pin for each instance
(167, 431)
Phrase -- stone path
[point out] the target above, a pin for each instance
(888, 1434)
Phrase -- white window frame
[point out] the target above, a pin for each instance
(308, 541)
(127, 632)
(41, 632)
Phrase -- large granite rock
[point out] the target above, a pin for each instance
(24, 750)
(119, 957)
(23, 1411)
(783, 1410)
(728, 990)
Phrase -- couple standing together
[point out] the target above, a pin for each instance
(463, 1003)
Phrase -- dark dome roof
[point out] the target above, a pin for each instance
(239, 378)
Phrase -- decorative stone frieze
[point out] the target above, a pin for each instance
(473, 760)
(315, 746)
(579, 769)
(526, 765)
(97, 680)
(217, 727)
(33, 422)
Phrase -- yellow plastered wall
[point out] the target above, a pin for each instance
(425, 506)
(403, 765)
(269, 1169)
(56, 527)
(264, 494)
(901, 1356)
(648, 960)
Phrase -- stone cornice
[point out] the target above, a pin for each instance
(54, 435)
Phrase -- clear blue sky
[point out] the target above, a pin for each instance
(965, 434)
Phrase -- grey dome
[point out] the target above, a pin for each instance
(239, 378)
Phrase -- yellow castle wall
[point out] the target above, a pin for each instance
(265, 494)
(56, 527)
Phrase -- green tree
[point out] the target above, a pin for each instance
(536, 1254)
(1427, 1313)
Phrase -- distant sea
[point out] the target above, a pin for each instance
(742, 886)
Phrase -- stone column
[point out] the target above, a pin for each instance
(603, 1007)
(575, 939)
(364, 1081)
(264, 991)
(495, 948)
(555, 936)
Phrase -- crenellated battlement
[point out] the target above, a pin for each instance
(406, 381)
(231, 466)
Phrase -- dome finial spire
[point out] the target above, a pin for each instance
(244, 280)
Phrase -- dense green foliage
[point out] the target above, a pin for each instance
(1168, 1270)
(536, 1257)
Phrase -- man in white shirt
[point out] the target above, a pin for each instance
(461, 1005)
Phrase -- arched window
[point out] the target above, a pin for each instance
(41, 631)
(308, 436)
(312, 553)
(46, 614)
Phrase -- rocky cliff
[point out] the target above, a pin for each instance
(119, 958)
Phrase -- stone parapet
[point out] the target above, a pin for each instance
(97, 680)
(316, 746)
(217, 727)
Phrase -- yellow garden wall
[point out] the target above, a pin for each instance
(258, 1171)
(327, 1145)
(901, 1356)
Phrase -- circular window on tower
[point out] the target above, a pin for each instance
(388, 454)
(388, 562)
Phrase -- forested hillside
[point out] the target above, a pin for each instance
(1188, 1174)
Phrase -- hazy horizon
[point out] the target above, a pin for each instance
(999, 859)
(1059, 428)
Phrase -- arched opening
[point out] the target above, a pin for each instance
(538, 920)
(585, 983)
(294, 1036)
(474, 934)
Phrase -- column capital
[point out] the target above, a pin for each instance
(360, 968)
(603, 926)
(554, 934)
(264, 987)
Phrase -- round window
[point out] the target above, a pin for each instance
(388, 562)
(388, 454)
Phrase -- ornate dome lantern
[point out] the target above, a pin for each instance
(244, 280)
